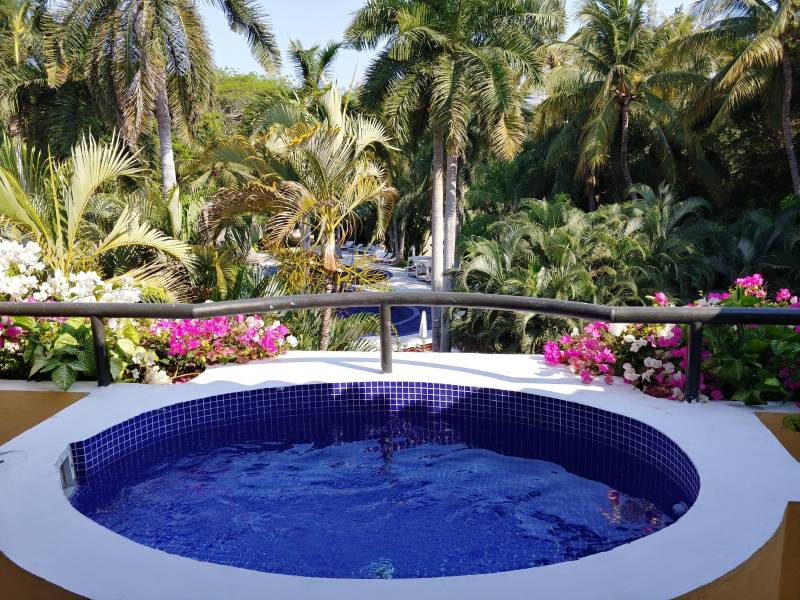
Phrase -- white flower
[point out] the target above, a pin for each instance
(653, 363)
(291, 340)
(638, 344)
(631, 375)
(669, 367)
(648, 374)
(628, 367)
(156, 376)
(667, 331)
(677, 393)
(617, 329)
(629, 339)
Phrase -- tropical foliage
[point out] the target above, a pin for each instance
(638, 154)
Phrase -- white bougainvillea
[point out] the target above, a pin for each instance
(23, 277)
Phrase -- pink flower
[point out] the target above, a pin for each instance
(783, 295)
(754, 280)
(586, 376)
(596, 328)
(661, 299)
(718, 296)
(716, 395)
(552, 353)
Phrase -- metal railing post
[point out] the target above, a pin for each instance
(100, 352)
(386, 337)
(695, 347)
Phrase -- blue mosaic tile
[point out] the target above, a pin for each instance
(583, 439)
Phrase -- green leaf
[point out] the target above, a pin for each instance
(116, 366)
(38, 364)
(755, 346)
(130, 332)
(64, 340)
(735, 371)
(86, 360)
(28, 323)
(126, 345)
(64, 377)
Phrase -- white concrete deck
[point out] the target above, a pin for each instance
(747, 478)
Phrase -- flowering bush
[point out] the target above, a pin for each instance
(751, 363)
(23, 277)
(138, 351)
(188, 345)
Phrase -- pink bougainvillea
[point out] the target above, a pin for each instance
(661, 299)
(752, 285)
(585, 353)
(220, 339)
(655, 358)
(8, 331)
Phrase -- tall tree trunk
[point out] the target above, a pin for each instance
(591, 183)
(437, 233)
(168, 177)
(786, 120)
(332, 286)
(305, 235)
(450, 234)
(451, 213)
(623, 145)
(398, 238)
(327, 314)
(15, 133)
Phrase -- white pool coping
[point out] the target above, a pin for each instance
(747, 478)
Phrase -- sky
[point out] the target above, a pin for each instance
(315, 21)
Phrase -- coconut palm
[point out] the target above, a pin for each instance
(153, 58)
(312, 67)
(60, 209)
(444, 64)
(619, 73)
(760, 35)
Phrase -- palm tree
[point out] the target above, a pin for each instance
(22, 57)
(60, 209)
(672, 238)
(444, 64)
(621, 73)
(153, 58)
(312, 67)
(335, 174)
(761, 34)
(320, 175)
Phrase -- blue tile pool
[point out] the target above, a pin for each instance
(382, 480)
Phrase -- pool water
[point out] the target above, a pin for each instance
(406, 319)
(405, 500)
